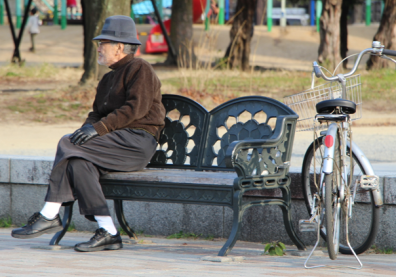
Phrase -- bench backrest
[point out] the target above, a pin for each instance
(194, 138)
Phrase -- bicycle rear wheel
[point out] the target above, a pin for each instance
(364, 223)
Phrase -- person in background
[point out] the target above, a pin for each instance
(214, 11)
(33, 27)
(72, 5)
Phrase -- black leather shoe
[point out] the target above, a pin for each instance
(102, 240)
(38, 225)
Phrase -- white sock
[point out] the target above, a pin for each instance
(51, 209)
(106, 222)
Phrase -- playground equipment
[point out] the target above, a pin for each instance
(198, 8)
(156, 42)
(16, 57)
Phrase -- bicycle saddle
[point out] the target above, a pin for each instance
(328, 106)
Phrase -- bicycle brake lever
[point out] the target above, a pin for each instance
(317, 70)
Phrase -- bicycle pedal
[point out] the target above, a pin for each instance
(369, 182)
(307, 226)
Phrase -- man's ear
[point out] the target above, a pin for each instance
(121, 47)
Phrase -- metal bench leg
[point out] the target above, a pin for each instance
(67, 216)
(287, 219)
(121, 219)
(236, 227)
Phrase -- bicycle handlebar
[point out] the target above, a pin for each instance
(377, 49)
(389, 52)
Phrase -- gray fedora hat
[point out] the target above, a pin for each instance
(119, 28)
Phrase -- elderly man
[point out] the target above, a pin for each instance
(120, 134)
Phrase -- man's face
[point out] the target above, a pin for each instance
(108, 52)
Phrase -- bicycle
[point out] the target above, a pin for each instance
(340, 189)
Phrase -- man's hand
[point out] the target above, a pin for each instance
(82, 135)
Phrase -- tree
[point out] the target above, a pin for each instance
(181, 32)
(94, 14)
(344, 31)
(260, 12)
(329, 48)
(241, 33)
(346, 7)
(386, 34)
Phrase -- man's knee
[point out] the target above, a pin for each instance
(81, 166)
(76, 163)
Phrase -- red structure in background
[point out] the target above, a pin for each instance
(138, 50)
(156, 42)
(198, 9)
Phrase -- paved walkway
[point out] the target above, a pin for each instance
(170, 257)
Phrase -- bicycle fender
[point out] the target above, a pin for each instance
(378, 199)
(329, 149)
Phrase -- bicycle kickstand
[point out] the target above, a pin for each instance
(316, 244)
(309, 223)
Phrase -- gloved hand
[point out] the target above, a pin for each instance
(82, 135)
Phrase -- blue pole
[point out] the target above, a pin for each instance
(312, 13)
(227, 9)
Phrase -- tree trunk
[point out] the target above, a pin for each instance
(238, 51)
(386, 34)
(260, 11)
(181, 33)
(344, 33)
(329, 48)
(94, 14)
(358, 13)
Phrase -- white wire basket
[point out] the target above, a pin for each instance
(304, 103)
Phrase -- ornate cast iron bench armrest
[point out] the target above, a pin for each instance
(262, 157)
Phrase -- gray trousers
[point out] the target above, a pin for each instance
(32, 35)
(77, 168)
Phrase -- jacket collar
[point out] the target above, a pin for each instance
(122, 62)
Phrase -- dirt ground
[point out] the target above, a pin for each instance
(293, 49)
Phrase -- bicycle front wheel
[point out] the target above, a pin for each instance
(364, 223)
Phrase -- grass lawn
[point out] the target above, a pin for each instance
(70, 102)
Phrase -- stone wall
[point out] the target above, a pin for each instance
(24, 182)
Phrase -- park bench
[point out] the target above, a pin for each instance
(212, 158)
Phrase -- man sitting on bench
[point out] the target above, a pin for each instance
(120, 134)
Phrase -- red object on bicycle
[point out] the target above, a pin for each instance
(329, 141)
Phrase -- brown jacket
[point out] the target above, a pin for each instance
(128, 97)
